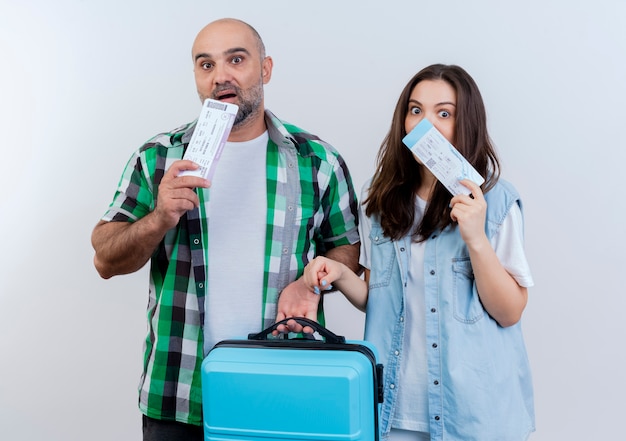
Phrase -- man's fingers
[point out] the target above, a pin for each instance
(172, 176)
(181, 165)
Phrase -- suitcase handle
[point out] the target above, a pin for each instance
(329, 336)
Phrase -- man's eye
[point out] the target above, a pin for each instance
(206, 65)
(237, 60)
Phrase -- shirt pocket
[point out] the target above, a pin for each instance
(467, 305)
(382, 259)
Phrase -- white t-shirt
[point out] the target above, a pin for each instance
(412, 400)
(237, 220)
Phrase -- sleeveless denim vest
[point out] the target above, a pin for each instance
(480, 385)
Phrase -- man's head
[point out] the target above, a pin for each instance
(230, 65)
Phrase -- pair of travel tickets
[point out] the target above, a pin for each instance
(425, 141)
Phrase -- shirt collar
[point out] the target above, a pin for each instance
(278, 133)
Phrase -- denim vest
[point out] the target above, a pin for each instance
(480, 385)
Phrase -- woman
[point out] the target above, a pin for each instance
(446, 277)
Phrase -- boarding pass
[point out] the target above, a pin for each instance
(209, 137)
(441, 158)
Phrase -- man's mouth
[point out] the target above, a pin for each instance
(225, 94)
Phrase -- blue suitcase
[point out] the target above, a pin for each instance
(291, 389)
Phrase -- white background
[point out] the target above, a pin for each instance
(84, 83)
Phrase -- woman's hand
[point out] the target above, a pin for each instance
(321, 272)
(470, 212)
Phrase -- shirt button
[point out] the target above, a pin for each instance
(433, 310)
(402, 249)
(284, 250)
(196, 241)
(291, 165)
(392, 386)
(396, 353)
(432, 272)
(401, 319)
(376, 238)
(200, 285)
(436, 383)
(435, 345)
(290, 208)
(437, 418)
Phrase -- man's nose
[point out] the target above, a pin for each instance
(222, 73)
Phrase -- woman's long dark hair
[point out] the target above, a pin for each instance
(396, 181)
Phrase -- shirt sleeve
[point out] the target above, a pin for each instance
(134, 197)
(341, 208)
(508, 244)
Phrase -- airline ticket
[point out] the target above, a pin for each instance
(209, 137)
(441, 158)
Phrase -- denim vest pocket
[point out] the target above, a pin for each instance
(382, 259)
(467, 306)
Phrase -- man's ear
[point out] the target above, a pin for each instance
(266, 67)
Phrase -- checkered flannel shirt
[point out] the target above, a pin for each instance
(312, 207)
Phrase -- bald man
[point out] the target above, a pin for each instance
(279, 197)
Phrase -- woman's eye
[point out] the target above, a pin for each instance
(444, 114)
(415, 110)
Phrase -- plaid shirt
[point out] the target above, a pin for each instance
(312, 207)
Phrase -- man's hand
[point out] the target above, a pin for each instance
(176, 194)
(296, 300)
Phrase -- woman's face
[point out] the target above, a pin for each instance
(434, 100)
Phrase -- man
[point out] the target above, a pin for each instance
(279, 197)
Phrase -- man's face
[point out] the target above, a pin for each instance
(228, 67)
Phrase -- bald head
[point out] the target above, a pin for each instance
(227, 26)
